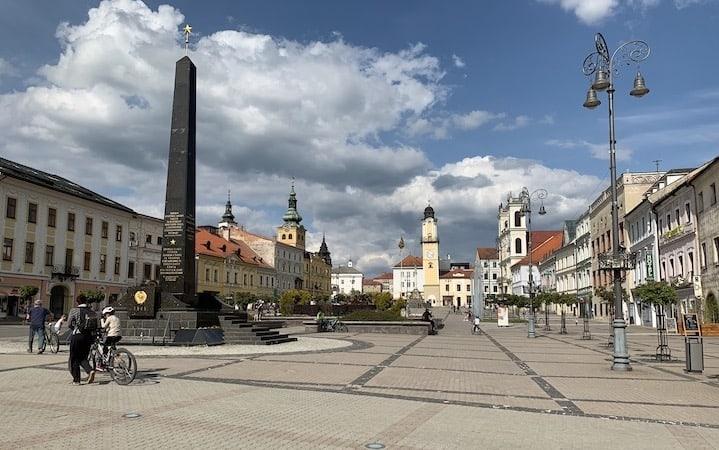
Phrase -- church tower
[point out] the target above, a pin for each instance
(292, 232)
(430, 256)
(324, 252)
(228, 219)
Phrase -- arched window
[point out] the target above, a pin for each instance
(284, 236)
(289, 236)
(518, 245)
(517, 219)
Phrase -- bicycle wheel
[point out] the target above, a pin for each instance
(94, 357)
(341, 328)
(54, 342)
(123, 366)
(44, 343)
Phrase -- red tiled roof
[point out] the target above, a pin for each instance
(384, 276)
(410, 261)
(457, 273)
(543, 244)
(210, 244)
(371, 282)
(487, 253)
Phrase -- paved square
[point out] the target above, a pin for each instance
(454, 390)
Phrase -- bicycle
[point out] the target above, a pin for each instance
(51, 338)
(118, 362)
(334, 325)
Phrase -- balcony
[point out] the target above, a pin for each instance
(64, 272)
(676, 233)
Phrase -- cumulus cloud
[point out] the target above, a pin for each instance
(458, 62)
(269, 109)
(518, 122)
(7, 69)
(591, 12)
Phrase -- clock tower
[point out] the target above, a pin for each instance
(430, 256)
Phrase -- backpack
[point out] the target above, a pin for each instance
(87, 322)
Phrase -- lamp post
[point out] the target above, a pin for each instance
(526, 211)
(604, 67)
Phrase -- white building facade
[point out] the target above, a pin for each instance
(346, 280)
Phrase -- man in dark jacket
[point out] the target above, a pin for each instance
(81, 339)
(37, 316)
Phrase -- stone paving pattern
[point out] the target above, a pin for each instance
(453, 390)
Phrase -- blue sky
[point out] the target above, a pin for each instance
(504, 81)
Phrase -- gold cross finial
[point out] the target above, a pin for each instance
(188, 31)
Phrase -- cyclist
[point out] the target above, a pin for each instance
(475, 328)
(111, 324)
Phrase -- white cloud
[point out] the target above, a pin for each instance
(598, 151)
(592, 12)
(518, 122)
(7, 69)
(268, 109)
(458, 62)
(588, 11)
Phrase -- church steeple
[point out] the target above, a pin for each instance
(292, 216)
(291, 232)
(324, 252)
(228, 219)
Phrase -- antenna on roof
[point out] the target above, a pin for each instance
(656, 163)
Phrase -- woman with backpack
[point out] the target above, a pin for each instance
(82, 320)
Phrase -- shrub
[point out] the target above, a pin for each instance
(293, 297)
(373, 315)
(382, 300)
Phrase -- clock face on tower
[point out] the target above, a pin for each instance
(430, 254)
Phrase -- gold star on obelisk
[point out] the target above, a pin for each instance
(188, 31)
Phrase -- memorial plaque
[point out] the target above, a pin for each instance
(142, 302)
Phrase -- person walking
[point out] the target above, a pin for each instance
(83, 322)
(37, 315)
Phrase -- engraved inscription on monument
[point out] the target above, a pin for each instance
(172, 255)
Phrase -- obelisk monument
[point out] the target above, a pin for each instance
(178, 237)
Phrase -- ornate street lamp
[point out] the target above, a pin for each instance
(604, 67)
(526, 211)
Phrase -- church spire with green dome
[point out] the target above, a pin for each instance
(292, 216)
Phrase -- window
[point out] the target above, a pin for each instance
(680, 261)
(118, 233)
(688, 212)
(284, 236)
(11, 208)
(289, 236)
(68, 257)
(148, 239)
(446, 287)
(700, 202)
(486, 288)
(116, 269)
(103, 263)
(147, 271)
(49, 255)
(214, 276)
(669, 222)
(661, 226)
(494, 289)
(494, 276)
(159, 240)
(664, 270)
(468, 288)
(690, 263)
(32, 212)
(703, 256)
(104, 229)
(713, 193)
(716, 250)
(494, 264)
(157, 273)
(459, 287)
(486, 276)
(86, 261)
(88, 226)
(131, 269)
(244, 279)
(51, 217)
(207, 274)
(671, 266)
(677, 217)
(517, 219)
(252, 280)
(518, 245)
(70, 222)
(7, 249)
(29, 252)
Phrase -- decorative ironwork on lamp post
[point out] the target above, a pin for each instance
(526, 211)
(604, 67)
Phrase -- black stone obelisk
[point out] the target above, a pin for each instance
(178, 238)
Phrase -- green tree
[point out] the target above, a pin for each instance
(659, 292)
(93, 296)
(293, 297)
(382, 300)
(242, 299)
(28, 292)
